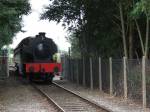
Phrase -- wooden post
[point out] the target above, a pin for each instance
(111, 80)
(72, 70)
(68, 68)
(83, 71)
(100, 74)
(71, 75)
(69, 64)
(65, 74)
(64, 68)
(7, 66)
(125, 77)
(77, 65)
(91, 74)
(144, 82)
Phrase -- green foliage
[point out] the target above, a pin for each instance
(67, 11)
(90, 21)
(10, 18)
(142, 7)
(75, 47)
(97, 26)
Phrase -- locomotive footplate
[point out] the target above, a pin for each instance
(43, 67)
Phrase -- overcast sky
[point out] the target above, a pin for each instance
(33, 25)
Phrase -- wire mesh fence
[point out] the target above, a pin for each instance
(124, 75)
(87, 72)
(80, 68)
(4, 68)
(105, 75)
(148, 82)
(95, 73)
(117, 71)
(134, 79)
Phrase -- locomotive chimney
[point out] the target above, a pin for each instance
(37, 36)
(42, 34)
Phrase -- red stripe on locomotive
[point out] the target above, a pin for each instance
(43, 67)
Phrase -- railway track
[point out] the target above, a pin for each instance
(67, 101)
(54, 105)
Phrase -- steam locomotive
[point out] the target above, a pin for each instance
(34, 58)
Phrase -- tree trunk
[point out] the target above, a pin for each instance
(147, 37)
(84, 45)
(140, 37)
(123, 31)
(131, 40)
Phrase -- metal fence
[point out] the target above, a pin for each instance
(125, 78)
(134, 79)
(117, 72)
(148, 82)
(4, 69)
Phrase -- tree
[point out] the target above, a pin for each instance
(75, 47)
(91, 21)
(142, 10)
(101, 28)
(10, 18)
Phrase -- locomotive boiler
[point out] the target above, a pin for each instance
(34, 58)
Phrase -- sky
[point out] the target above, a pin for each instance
(33, 25)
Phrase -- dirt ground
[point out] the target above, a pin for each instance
(17, 95)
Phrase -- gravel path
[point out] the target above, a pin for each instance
(113, 103)
(20, 96)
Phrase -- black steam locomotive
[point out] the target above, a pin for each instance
(34, 58)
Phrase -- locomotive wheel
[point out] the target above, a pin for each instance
(49, 80)
(30, 77)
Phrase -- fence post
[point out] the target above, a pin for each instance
(72, 69)
(91, 74)
(144, 82)
(111, 80)
(83, 71)
(100, 74)
(69, 75)
(7, 67)
(64, 73)
(77, 65)
(63, 67)
(68, 68)
(125, 77)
